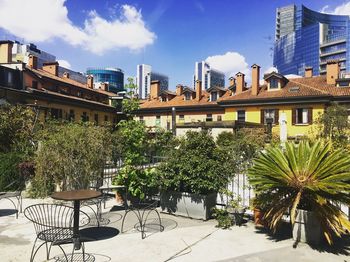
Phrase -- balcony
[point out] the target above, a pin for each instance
(333, 41)
(333, 52)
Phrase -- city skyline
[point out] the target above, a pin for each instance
(159, 33)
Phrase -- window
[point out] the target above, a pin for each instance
(34, 84)
(96, 119)
(187, 96)
(270, 114)
(141, 119)
(214, 96)
(302, 116)
(10, 78)
(84, 117)
(273, 83)
(157, 120)
(56, 113)
(241, 115)
(71, 116)
(219, 118)
(181, 118)
(209, 118)
(106, 118)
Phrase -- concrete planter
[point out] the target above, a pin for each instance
(188, 205)
(307, 228)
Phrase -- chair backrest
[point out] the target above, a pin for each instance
(48, 216)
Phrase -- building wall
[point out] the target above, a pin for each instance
(253, 114)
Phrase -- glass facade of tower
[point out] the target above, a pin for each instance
(113, 76)
(308, 38)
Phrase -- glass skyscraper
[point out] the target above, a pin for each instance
(113, 76)
(308, 38)
(209, 76)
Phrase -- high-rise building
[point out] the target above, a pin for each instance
(21, 52)
(306, 38)
(144, 77)
(114, 77)
(209, 76)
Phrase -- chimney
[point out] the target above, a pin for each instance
(6, 51)
(255, 79)
(232, 81)
(332, 71)
(51, 67)
(239, 83)
(65, 75)
(198, 90)
(33, 62)
(308, 71)
(90, 82)
(179, 89)
(155, 89)
(104, 86)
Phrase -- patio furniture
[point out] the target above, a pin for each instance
(76, 196)
(53, 224)
(142, 210)
(15, 197)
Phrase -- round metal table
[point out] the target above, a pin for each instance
(76, 196)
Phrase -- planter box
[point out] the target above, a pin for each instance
(188, 205)
(307, 227)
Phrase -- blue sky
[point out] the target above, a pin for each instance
(170, 35)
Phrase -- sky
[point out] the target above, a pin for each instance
(170, 35)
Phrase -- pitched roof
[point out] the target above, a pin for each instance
(178, 101)
(42, 73)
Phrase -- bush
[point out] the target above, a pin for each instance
(10, 171)
(196, 166)
(70, 155)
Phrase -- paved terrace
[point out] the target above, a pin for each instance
(182, 240)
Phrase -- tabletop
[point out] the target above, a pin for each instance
(82, 194)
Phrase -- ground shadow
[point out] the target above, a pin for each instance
(98, 233)
(341, 246)
(7, 212)
(283, 232)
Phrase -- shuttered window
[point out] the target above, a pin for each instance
(269, 113)
(302, 116)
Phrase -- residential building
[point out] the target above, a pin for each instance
(209, 76)
(295, 103)
(50, 94)
(144, 77)
(306, 38)
(114, 77)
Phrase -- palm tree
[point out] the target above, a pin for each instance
(304, 176)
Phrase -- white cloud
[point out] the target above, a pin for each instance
(44, 20)
(64, 63)
(230, 63)
(270, 70)
(343, 9)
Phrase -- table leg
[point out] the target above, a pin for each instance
(76, 237)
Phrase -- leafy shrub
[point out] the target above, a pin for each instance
(70, 155)
(223, 218)
(10, 171)
(196, 166)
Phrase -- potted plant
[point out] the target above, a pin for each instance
(192, 175)
(305, 180)
(236, 209)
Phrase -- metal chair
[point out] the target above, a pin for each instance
(53, 224)
(13, 197)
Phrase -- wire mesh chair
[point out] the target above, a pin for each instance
(53, 225)
(15, 197)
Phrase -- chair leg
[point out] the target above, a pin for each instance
(33, 254)
(121, 230)
(64, 253)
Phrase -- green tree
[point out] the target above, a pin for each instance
(334, 125)
(131, 103)
(71, 155)
(197, 165)
(304, 176)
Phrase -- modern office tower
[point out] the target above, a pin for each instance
(306, 38)
(21, 52)
(209, 76)
(144, 77)
(113, 76)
